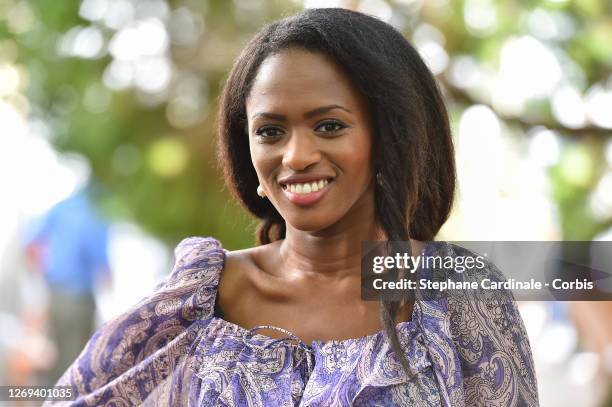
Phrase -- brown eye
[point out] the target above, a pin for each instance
(330, 126)
(268, 132)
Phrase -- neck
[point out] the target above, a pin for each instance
(334, 253)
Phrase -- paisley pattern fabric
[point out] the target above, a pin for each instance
(171, 350)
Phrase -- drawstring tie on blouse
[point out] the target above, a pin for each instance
(294, 341)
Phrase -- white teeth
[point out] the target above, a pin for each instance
(307, 188)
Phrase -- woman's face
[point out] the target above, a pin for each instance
(310, 139)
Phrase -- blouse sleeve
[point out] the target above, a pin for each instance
(129, 356)
(492, 343)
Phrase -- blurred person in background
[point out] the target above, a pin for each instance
(69, 247)
(593, 320)
(25, 349)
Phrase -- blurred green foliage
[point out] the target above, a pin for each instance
(154, 151)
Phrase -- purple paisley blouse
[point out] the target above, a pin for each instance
(172, 349)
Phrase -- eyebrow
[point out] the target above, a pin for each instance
(307, 115)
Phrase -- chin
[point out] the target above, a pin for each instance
(309, 226)
(307, 223)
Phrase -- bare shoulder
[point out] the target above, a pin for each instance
(235, 268)
(240, 270)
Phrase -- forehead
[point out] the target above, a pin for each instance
(296, 78)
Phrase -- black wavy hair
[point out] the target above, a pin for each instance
(412, 142)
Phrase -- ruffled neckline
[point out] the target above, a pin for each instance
(367, 362)
(264, 340)
(404, 329)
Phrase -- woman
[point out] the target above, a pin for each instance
(332, 132)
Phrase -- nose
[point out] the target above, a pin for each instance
(301, 151)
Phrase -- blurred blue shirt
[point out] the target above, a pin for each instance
(75, 245)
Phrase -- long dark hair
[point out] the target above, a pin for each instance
(412, 143)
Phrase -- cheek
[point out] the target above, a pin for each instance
(355, 156)
(263, 160)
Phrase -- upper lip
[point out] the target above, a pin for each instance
(301, 178)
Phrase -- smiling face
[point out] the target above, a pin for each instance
(310, 140)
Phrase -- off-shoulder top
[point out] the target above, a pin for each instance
(171, 349)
